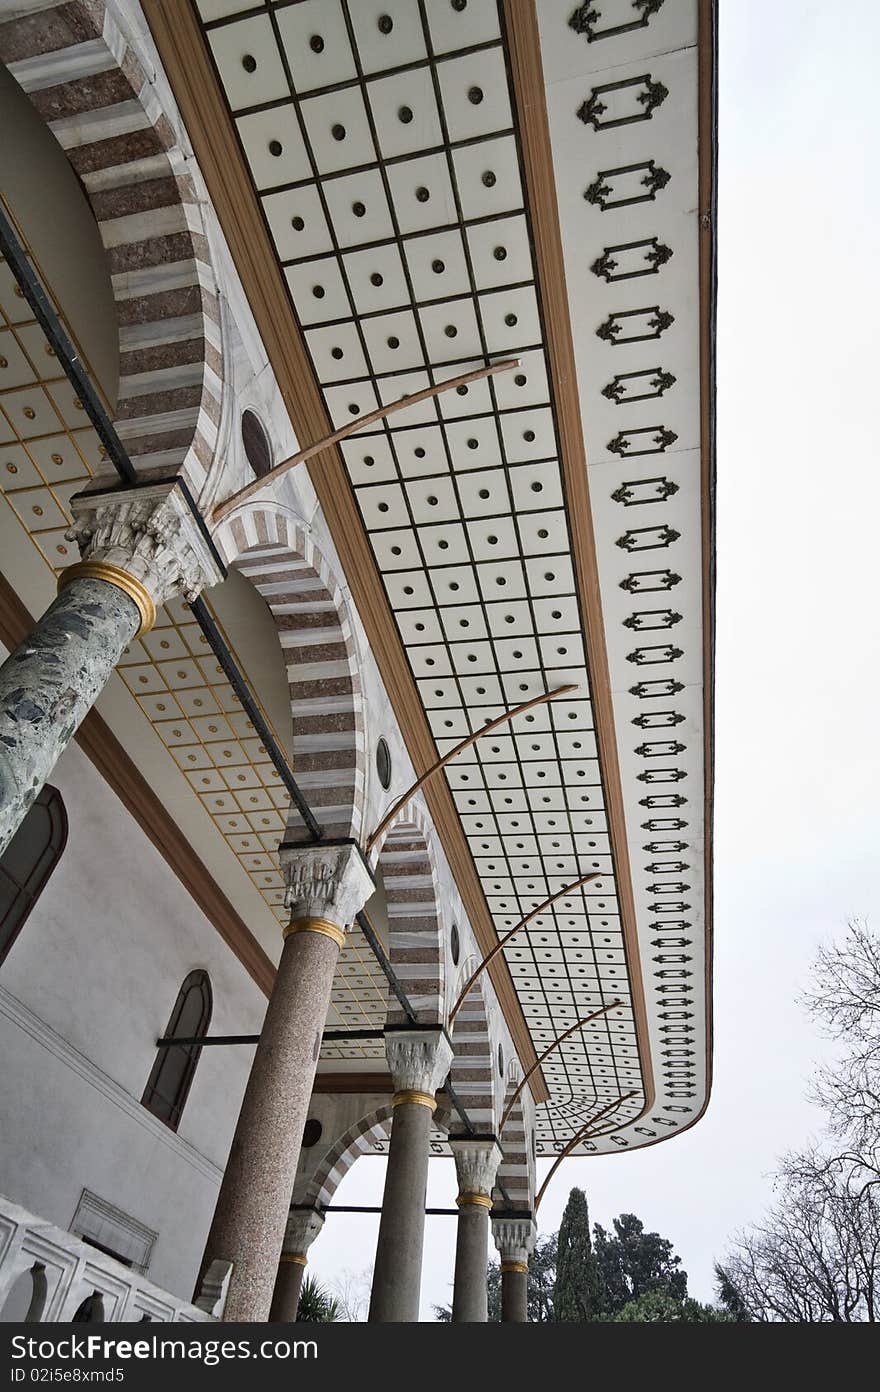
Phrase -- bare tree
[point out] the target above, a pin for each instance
(845, 1000)
(816, 1256)
(351, 1290)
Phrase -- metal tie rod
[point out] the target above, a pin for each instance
(236, 680)
(329, 1037)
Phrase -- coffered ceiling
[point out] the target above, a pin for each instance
(386, 148)
(413, 214)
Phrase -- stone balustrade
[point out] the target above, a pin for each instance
(68, 1275)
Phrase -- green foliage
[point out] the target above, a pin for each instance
(493, 1289)
(627, 1275)
(541, 1281)
(731, 1297)
(316, 1305)
(578, 1286)
(658, 1307)
(632, 1263)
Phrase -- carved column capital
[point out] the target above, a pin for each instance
(325, 883)
(303, 1226)
(146, 541)
(515, 1239)
(418, 1060)
(476, 1164)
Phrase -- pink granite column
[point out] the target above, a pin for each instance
(326, 886)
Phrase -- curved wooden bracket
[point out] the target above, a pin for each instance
(229, 504)
(535, 913)
(459, 749)
(583, 1135)
(578, 1024)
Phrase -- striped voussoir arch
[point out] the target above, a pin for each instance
(315, 633)
(79, 71)
(359, 1139)
(516, 1170)
(414, 941)
(472, 1074)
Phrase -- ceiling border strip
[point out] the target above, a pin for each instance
(707, 118)
(523, 46)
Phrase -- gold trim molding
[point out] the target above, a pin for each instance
(479, 1200)
(113, 575)
(420, 1099)
(296, 1258)
(316, 925)
(521, 1267)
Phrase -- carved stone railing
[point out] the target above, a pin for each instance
(66, 1273)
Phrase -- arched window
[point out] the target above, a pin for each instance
(169, 1082)
(28, 861)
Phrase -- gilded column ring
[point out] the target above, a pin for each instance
(410, 1095)
(316, 925)
(114, 575)
(472, 1197)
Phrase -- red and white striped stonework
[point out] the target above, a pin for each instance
(472, 1071)
(81, 74)
(516, 1171)
(414, 930)
(319, 650)
(359, 1139)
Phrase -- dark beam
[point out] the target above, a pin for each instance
(329, 1037)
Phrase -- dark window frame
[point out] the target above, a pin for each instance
(29, 889)
(172, 1073)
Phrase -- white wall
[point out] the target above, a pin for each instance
(84, 993)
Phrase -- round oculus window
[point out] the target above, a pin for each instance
(383, 763)
(258, 451)
(311, 1133)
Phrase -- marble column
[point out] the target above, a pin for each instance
(327, 885)
(419, 1061)
(139, 549)
(476, 1163)
(303, 1226)
(515, 1240)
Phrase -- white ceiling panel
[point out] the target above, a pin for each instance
(388, 163)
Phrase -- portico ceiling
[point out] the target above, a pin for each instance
(441, 191)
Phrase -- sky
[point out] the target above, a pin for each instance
(798, 643)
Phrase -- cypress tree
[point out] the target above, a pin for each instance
(577, 1295)
(633, 1263)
